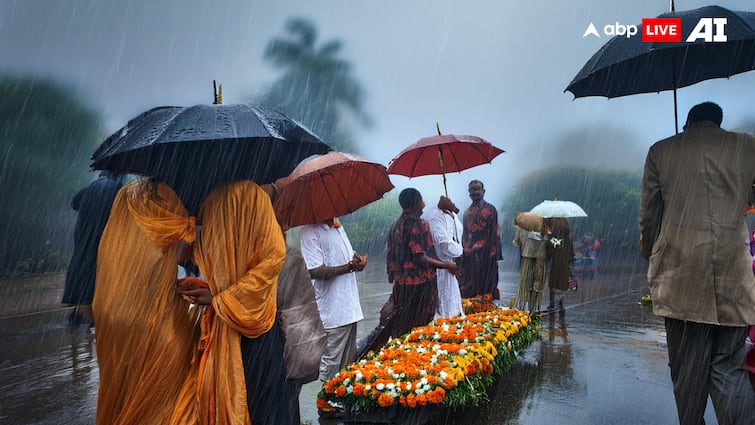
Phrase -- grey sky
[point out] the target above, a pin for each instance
(491, 68)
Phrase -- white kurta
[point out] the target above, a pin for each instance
(446, 233)
(337, 298)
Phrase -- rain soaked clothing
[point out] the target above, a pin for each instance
(694, 191)
(445, 229)
(145, 331)
(560, 251)
(240, 251)
(93, 204)
(695, 188)
(415, 287)
(482, 234)
(337, 298)
(529, 293)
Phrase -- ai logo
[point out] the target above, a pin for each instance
(705, 30)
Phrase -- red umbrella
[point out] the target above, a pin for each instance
(441, 154)
(327, 186)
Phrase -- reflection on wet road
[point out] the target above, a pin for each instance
(600, 361)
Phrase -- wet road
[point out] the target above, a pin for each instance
(601, 361)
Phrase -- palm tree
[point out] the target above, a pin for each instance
(317, 86)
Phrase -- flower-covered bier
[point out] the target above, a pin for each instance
(429, 363)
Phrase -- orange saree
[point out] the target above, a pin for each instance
(145, 332)
(240, 251)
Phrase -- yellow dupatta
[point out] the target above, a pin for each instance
(145, 332)
(240, 251)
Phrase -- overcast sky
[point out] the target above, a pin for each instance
(492, 68)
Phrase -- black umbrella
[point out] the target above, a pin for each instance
(193, 149)
(627, 65)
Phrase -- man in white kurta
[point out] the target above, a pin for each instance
(445, 229)
(332, 264)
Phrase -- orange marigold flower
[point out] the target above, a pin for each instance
(340, 391)
(359, 389)
(437, 395)
(322, 403)
(411, 400)
(422, 399)
(385, 400)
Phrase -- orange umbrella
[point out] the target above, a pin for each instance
(327, 186)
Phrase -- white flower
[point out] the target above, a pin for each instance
(380, 386)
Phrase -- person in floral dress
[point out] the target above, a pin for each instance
(481, 240)
(411, 266)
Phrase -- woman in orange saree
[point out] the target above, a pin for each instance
(146, 334)
(240, 251)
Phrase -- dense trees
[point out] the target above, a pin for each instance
(46, 138)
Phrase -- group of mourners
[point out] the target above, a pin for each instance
(208, 317)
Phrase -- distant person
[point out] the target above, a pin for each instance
(529, 293)
(481, 240)
(560, 252)
(700, 275)
(332, 265)
(93, 204)
(146, 335)
(240, 250)
(445, 229)
(411, 265)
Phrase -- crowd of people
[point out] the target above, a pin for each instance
(214, 319)
(260, 318)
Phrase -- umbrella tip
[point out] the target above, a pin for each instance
(217, 93)
(437, 127)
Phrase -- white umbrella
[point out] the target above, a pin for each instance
(551, 209)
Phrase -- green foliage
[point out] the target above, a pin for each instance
(46, 138)
(317, 86)
(368, 227)
(611, 199)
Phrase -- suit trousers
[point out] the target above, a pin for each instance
(709, 360)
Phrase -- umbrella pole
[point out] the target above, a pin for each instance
(442, 164)
(676, 115)
(442, 169)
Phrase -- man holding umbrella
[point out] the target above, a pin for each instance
(694, 189)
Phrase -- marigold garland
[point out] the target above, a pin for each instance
(450, 362)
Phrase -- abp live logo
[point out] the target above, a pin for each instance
(669, 30)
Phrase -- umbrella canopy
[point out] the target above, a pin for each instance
(441, 154)
(328, 186)
(192, 149)
(627, 65)
(564, 209)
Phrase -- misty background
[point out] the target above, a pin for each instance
(488, 68)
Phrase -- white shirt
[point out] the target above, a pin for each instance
(445, 229)
(446, 232)
(337, 298)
